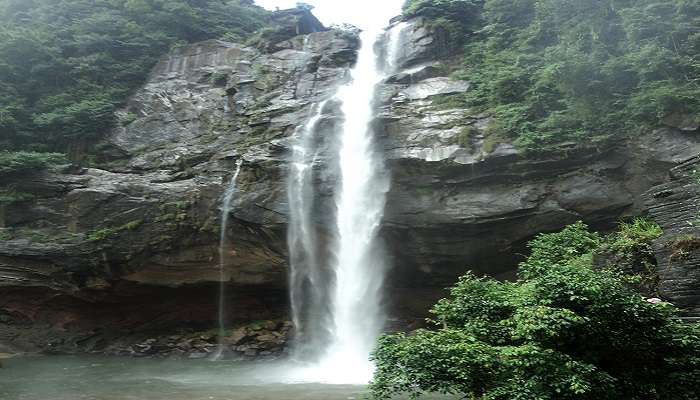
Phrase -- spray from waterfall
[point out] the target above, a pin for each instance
(355, 316)
(226, 204)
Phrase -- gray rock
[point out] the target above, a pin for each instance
(684, 122)
(434, 86)
(675, 205)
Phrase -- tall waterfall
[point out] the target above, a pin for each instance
(353, 318)
(226, 204)
(359, 267)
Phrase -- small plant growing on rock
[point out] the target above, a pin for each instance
(696, 176)
(683, 245)
(105, 233)
(218, 79)
(10, 196)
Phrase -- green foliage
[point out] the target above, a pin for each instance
(65, 66)
(9, 196)
(630, 250)
(106, 233)
(696, 176)
(634, 237)
(465, 135)
(579, 71)
(566, 332)
(128, 118)
(457, 17)
(25, 161)
(683, 245)
(562, 247)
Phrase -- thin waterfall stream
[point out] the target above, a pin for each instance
(226, 205)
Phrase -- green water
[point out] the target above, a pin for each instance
(110, 378)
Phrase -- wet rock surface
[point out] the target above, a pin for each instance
(675, 205)
(145, 213)
(262, 339)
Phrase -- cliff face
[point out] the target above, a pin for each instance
(132, 242)
(675, 205)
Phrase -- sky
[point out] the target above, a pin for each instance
(361, 13)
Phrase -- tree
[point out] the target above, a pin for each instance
(66, 65)
(574, 71)
(563, 331)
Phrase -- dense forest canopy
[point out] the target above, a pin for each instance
(66, 65)
(577, 71)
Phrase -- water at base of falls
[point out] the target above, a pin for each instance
(119, 378)
(226, 204)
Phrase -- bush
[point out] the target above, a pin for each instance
(633, 239)
(26, 161)
(549, 249)
(562, 331)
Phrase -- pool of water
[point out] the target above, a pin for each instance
(112, 378)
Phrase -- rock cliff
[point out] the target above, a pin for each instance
(130, 243)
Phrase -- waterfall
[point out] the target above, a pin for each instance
(393, 46)
(354, 317)
(225, 211)
(306, 289)
(357, 318)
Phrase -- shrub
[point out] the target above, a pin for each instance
(562, 331)
(633, 239)
(27, 161)
(549, 249)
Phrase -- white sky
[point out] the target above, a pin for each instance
(361, 13)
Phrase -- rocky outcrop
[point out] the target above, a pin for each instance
(261, 339)
(675, 205)
(132, 241)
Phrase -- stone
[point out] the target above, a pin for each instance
(684, 122)
(434, 86)
(236, 337)
(267, 337)
(270, 325)
(415, 74)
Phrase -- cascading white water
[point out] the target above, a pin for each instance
(306, 289)
(359, 268)
(355, 316)
(393, 46)
(226, 204)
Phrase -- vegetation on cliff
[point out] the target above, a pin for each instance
(564, 330)
(581, 71)
(65, 66)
